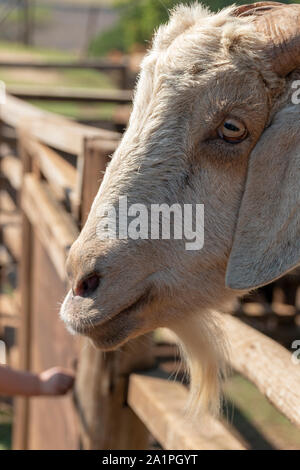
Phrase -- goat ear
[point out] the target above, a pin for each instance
(266, 242)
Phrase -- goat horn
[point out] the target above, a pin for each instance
(281, 26)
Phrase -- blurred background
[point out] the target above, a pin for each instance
(79, 29)
(40, 41)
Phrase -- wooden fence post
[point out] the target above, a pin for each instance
(20, 428)
(28, 20)
(106, 420)
(93, 161)
(124, 72)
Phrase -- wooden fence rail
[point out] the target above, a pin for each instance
(161, 405)
(55, 228)
(55, 175)
(267, 364)
(100, 65)
(70, 94)
(263, 361)
(49, 128)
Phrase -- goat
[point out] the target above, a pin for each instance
(213, 123)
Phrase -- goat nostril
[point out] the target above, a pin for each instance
(87, 286)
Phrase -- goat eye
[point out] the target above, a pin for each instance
(233, 131)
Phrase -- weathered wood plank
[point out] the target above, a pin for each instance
(48, 231)
(161, 405)
(56, 131)
(122, 115)
(267, 364)
(11, 236)
(5, 258)
(10, 222)
(60, 174)
(7, 204)
(263, 361)
(11, 169)
(54, 226)
(70, 94)
(106, 422)
(21, 414)
(52, 423)
(96, 156)
(98, 64)
(9, 314)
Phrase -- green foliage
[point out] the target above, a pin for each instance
(41, 15)
(112, 39)
(5, 427)
(138, 21)
(136, 25)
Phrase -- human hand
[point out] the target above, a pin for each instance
(56, 381)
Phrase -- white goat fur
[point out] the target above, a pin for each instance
(201, 68)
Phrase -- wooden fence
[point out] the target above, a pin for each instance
(74, 95)
(50, 172)
(101, 65)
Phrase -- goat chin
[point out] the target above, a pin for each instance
(205, 352)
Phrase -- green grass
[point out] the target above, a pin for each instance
(42, 15)
(36, 52)
(5, 427)
(78, 111)
(86, 79)
(258, 418)
(57, 78)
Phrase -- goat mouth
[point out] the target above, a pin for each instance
(91, 326)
